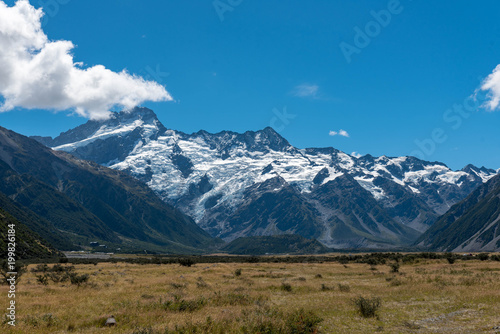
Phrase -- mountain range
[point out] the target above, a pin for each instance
(237, 185)
(72, 202)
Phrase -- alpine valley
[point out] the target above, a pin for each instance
(257, 184)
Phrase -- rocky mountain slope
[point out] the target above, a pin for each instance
(472, 225)
(88, 202)
(257, 183)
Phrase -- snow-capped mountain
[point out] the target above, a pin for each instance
(256, 183)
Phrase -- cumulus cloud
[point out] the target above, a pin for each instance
(36, 73)
(491, 85)
(341, 132)
(305, 90)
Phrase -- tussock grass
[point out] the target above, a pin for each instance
(424, 296)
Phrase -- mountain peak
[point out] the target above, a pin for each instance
(104, 141)
(138, 113)
(471, 167)
(268, 138)
(253, 141)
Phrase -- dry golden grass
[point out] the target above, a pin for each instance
(431, 296)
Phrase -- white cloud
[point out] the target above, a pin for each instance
(492, 87)
(356, 155)
(341, 132)
(306, 90)
(37, 73)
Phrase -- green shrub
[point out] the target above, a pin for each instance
(286, 287)
(42, 279)
(394, 267)
(78, 279)
(483, 256)
(186, 262)
(58, 277)
(367, 307)
(40, 268)
(302, 321)
(5, 269)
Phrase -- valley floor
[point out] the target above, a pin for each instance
(429, 296)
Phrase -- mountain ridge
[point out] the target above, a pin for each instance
(210, 176)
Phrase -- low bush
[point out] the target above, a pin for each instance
(483, 256)
(302, 321)
(42, 279)
(394, 267)
(186, 262)
(367, 307)
(78, 279)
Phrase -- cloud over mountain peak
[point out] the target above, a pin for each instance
(37, 73)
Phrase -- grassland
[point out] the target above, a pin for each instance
(426, 296)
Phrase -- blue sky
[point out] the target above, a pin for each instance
(248, 64)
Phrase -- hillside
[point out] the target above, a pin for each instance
(34, 222)
(471, 225)
(28, 244)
